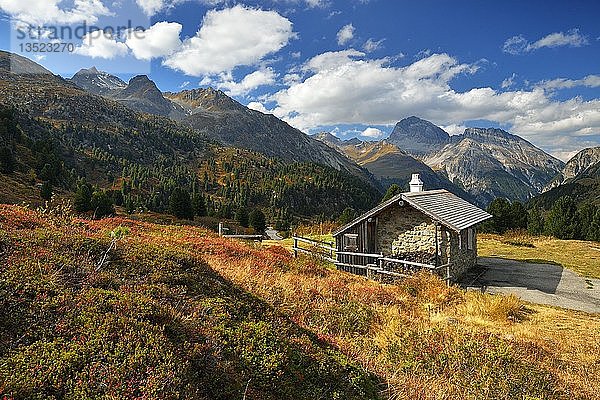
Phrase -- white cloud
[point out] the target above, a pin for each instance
(591, 81)
(518, 44)
(345, 88)
(508, 82)
(371, 45)
(250, 82)
(151, 7)
(40, 12)
(160, 40)
(454, 129)
(100, 44)
(345, 34)
(229, 38)
(373, 133)
(255, 105)
(572, 39)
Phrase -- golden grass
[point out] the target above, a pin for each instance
(580, 256)
(427, 341)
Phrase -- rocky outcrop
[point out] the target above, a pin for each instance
(576, 167)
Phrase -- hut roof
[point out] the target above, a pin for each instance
(440, 205)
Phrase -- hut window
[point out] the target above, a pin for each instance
(470, 237)
(350, 242)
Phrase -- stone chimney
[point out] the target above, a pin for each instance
(416, 185)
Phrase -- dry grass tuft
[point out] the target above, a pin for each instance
(487, 308)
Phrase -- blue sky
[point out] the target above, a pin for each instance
(356, 67)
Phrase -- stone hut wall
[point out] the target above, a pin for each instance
(405, 231)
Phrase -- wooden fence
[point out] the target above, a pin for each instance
(369, 265)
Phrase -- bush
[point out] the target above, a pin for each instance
(101, 204)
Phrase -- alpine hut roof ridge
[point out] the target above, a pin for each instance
(440, 205)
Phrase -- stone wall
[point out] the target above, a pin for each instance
(462, 258)
(402, 230)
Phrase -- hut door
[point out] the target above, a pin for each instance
(371, 235)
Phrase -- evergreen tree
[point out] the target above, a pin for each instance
(180, 204)
(46, 191)
(347, 215)
(7, 160)
(585, 218)
(562, 219)
(392, 191)
(257, 220)
(501, 211)
(199, 205)
(535, 222)
(101, 204)
(83, 197)
(242, 217)
(518, 216)
(594, 230)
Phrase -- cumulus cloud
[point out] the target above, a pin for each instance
(101, 44)
(519, 45)
(160, 40)
(345, 88)
(231, 37)
(40, 12)
(372, 133)
(250, 82)
(345, 34)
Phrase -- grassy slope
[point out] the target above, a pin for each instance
(211, 315)
(580, 256)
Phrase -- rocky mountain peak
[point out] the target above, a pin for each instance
(417, 136)
(577, 166)
(17, 64)
(487, 135)
(208, 99)
(98, 82)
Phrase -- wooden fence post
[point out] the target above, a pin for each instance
(295, 247)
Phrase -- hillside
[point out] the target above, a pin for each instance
(576, 167)
(210, 318)
(389, 164)
(218, 116)
(584, 188)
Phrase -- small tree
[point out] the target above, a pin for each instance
(46, 191)
(392, 191)
(562, 219)
(7, 160)
(242, 217)
(258, 220)
(199, 205)
(101, 204)
(180, 204)
(347, 215)
(83, 197)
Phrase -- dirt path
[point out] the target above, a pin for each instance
(536, 283)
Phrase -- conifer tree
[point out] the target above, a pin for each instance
(257, 220)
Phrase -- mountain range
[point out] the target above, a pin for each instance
(485, 162)
(49, 120)
(134, 122)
